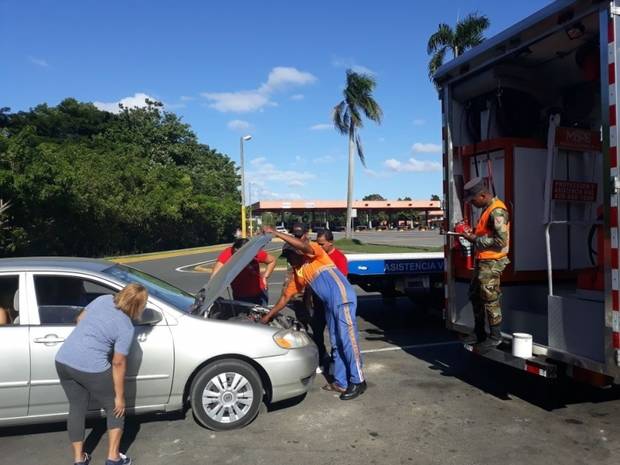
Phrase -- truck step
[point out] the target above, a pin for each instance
(536, 365)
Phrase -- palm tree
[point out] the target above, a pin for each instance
(467, 33)
(347, 116)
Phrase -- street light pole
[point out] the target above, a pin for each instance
(251, 220)
(243, 227)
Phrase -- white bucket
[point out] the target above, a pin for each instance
(522, 345)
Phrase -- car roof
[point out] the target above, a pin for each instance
(65, 263)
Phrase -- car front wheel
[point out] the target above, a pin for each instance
(226, 395)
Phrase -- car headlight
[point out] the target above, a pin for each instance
(290, 339)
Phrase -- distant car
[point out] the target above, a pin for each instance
(203, 351)
(281, 229)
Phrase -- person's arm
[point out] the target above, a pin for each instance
(4, 316)
(287, 293)
(270, 261)
(119, 368)
(222, 258)
(217, 267)
(498, 240)
(290, 240)
(80, 316)
(280, 304)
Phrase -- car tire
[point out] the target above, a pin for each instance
(226, 395)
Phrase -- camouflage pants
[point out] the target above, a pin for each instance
(485, 293)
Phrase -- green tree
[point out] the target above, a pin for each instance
(88, 182)
(435, 197)
(467, 33)
(374, 197)
(347, 116)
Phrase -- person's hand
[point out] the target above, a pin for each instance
(268, 230)
(263, 281)
(469, 236)
(265, 319)
(119, 406)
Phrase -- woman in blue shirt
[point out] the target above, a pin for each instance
(104, 331)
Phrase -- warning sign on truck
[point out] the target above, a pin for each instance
(572, 191)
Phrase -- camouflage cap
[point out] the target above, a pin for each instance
(474, 187)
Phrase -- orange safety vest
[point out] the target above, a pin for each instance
(483, 229)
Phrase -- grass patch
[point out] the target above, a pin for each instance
(357, 246)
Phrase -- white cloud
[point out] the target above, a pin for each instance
(411, 165)
(239, 125)
(280, 78)
(265, 175)
(419, 122)
(136, 101)
(38, 61)
(321, 127)
(420, 147)
(237, 102)
(186, 98)
(297, 97)
(349, 63)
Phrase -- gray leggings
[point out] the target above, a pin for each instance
(79, 387)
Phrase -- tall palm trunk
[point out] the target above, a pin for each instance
(349, 225)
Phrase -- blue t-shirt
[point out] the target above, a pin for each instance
(103, 330)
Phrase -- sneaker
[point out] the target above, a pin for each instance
(124, 460)
(85, 461)
(319, 370)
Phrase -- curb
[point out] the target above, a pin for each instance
(167, 254)
(172, 253)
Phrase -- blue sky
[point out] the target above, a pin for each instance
(273, 69)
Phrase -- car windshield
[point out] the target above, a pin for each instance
(159, 289)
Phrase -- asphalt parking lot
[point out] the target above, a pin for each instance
(429, 402)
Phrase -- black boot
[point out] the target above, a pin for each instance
(476, 337)
(353, 391)
(494, 339)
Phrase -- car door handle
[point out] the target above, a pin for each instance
(49, 339)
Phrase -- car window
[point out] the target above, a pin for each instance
(159, 289)
(8, 290)
(60, 299)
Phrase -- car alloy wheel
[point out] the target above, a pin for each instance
(227, 397)
(226, 394)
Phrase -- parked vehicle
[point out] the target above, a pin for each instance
(416, 275)
(281, 229)
(203, 351)
(534, 111)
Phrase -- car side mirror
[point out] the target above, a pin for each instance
(149, 317)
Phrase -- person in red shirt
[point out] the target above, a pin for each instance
(314, 305)
(250, 285)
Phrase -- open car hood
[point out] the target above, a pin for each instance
(218, 283)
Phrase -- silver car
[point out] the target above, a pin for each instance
(204, 351)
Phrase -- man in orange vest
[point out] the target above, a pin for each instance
(491, 240)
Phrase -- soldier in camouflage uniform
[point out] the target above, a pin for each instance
(491, 240)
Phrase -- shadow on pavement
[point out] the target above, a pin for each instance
(401, 324)
(98, 429)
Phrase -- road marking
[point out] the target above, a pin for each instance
(193, 266)
(415, 346)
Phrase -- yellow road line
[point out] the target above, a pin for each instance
(168, 254)
(172, 253)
